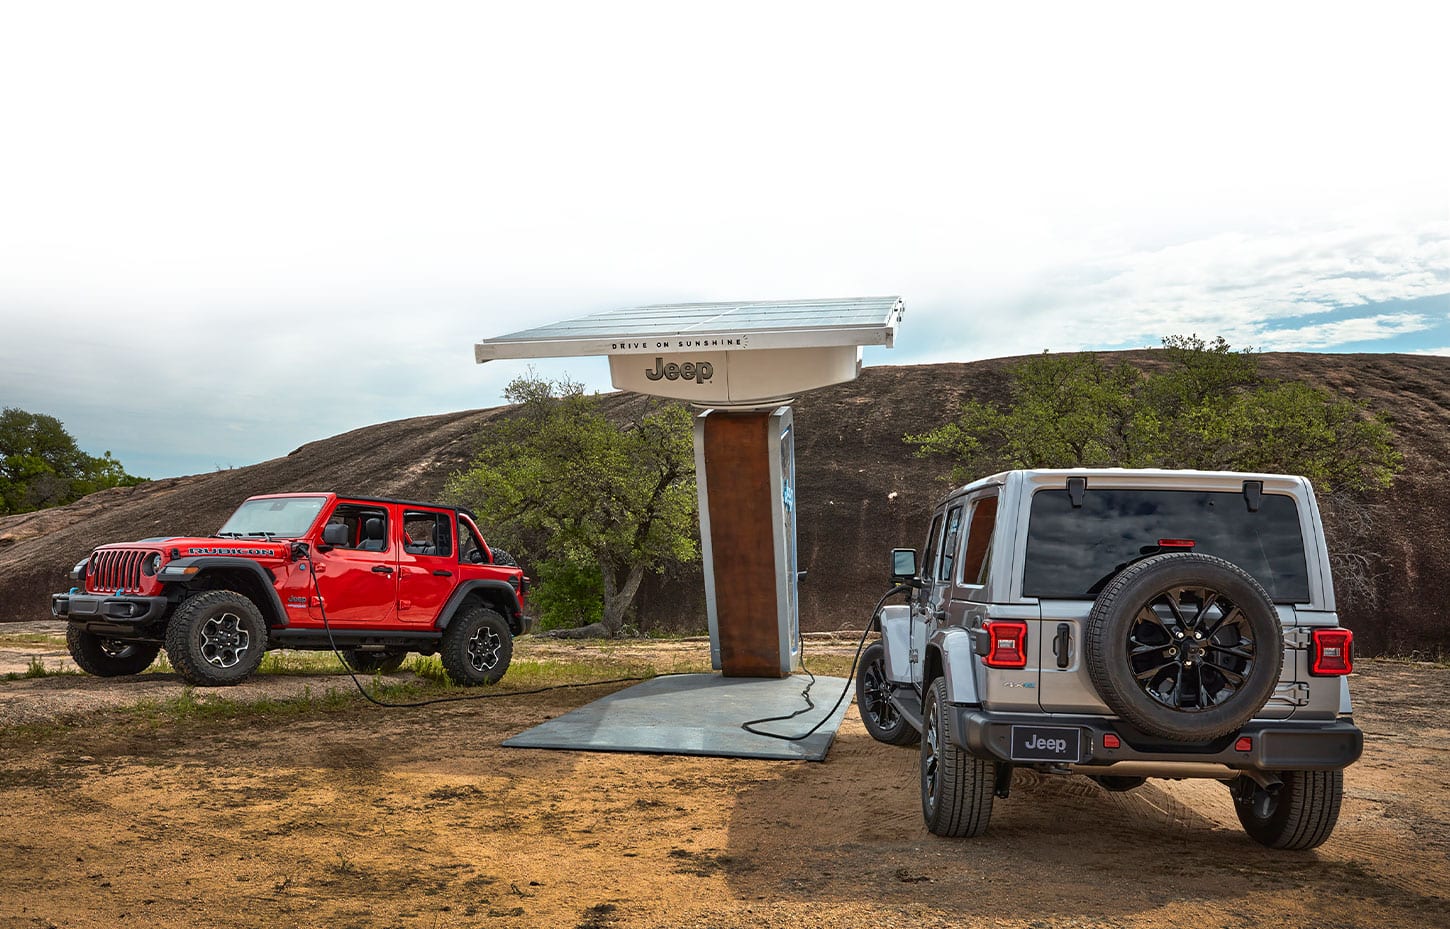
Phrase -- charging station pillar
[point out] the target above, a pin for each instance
(745, 477)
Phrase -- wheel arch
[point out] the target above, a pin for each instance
(950, 654)
(245, 577)
(496, 595)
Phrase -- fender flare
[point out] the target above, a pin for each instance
(895, 623)
(950, 650)
(493, 588)
(272, 610)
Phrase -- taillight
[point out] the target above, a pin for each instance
(1007, 644)
(1332, 652)
(1176, 543)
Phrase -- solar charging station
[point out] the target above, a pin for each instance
(740, 365)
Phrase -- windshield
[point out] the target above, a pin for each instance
(1072, 552)
(272, 517)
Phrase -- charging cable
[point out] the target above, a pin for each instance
(750, 725)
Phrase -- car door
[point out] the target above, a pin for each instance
(929, 608)
(427, 564)
(358, 579)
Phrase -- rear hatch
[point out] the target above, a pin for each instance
(1074, 551)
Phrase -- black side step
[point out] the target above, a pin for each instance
(908, 704)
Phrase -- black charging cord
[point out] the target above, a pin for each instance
(749, 726)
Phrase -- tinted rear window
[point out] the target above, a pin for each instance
(1073, 553)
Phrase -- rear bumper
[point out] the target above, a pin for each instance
(1277, 745)
(82, 608)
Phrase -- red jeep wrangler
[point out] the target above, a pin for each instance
(393, 576)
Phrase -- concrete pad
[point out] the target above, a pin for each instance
(698, 714)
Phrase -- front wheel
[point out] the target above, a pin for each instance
(477, 647)
(216, 638)
(873, 699)
(956, 788)
(108, 657)
(1300, 815)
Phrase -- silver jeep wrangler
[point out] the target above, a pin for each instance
(1121, 625)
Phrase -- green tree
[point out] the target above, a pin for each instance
(1199, 405)
(575, 491)
(41, 465)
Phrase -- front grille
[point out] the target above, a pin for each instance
(116, 569)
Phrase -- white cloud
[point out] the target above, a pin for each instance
(1343, 332)
(1243, 285)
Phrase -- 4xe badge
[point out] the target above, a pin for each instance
(699, 372)
(1044, 743)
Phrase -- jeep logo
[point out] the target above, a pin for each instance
(1057, 746)
(689, 371)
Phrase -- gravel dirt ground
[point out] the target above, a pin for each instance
(365, 817)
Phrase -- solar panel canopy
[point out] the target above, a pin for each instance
(718, 353)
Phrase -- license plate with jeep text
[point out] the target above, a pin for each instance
(1046, 743)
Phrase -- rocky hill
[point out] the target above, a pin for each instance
(861, 492)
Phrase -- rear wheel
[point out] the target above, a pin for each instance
(216, 638)
(956, 787)
(108, 657)
(477, 647)
(873, 700)
(1299, 815)
(374, 662)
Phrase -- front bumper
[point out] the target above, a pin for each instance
(1278, 745)
(113, 608)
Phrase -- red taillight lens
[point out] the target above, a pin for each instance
(1176, 543)
(1244, 744)
(1111, 741)
(1332, 654)
(1008, 648)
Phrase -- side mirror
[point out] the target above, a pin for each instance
(903, 565)
(335, 534)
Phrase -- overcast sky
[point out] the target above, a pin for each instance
(227, 230)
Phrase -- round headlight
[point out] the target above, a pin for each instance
(151, 565)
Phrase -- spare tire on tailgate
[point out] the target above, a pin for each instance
(1185, 647)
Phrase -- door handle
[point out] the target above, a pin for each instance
(442, 573)
(1062, 644)
(382, 569)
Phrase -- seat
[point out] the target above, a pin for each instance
(373, 540)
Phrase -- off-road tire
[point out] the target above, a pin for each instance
(1303, 813)
(107, 657)
(882, 720)
(1109, 656)
(374, 662)
(956, 787)
(477, 647)
(216, 638)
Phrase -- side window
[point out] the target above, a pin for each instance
(932, 538)
(367, 526)
(949, 544)
(469, 549)
(426, 532)
(976, 559)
